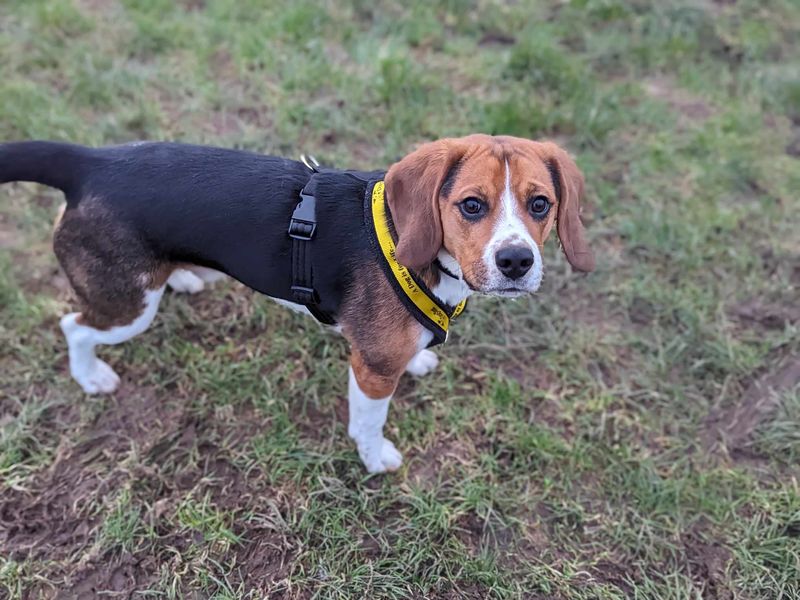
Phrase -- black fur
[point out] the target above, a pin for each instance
(450, 179)
(224, 209)
(555, 176)
(58, 165)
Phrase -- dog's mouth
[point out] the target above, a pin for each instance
(501, 292)
(508, 292)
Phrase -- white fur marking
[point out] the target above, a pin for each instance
(510, 228)
(94, 375)
(185, 281)
(206, 274)
(367, 417)
(298, 308)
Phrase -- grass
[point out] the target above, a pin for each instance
(630, 434)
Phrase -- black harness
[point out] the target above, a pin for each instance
(302, 227)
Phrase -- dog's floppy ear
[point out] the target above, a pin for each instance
(412, 192)
(568, 182)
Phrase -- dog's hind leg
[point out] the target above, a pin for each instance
(119, 282)
(185, 281)
(94, 375)
(192, 279)
(206, 274)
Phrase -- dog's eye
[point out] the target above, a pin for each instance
(538, 207)
(472, 208)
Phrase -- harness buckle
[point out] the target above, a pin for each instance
(311, 162)
(305, 295)
(303, 225)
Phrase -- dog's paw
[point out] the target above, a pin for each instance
(382, 457)
(208, 275)
(97, 378)
(184, 281)
(423, 363)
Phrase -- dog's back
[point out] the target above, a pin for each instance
(213, 207)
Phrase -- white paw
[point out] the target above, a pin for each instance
(423, 363)
(183, 280)
(208, 275)
(380, 457)
(98, 378)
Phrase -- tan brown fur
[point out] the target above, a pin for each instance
(382, 333)
(427, 220)
(59, 216)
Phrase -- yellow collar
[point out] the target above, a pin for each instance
(414, 290)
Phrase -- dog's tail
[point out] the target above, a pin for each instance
(55, 164)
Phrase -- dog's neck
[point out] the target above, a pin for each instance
(446, 283)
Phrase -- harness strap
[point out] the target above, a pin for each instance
(302, 228)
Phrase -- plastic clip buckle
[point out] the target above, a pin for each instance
(304, 219)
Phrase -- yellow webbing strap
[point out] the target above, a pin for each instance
(420, 299)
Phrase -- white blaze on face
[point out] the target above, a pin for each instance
(510, 230)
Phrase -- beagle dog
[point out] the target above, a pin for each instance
(388, 258)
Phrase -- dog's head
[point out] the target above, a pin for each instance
(490, 202)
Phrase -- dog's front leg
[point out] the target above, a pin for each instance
(369, 395)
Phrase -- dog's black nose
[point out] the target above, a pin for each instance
(514, 261)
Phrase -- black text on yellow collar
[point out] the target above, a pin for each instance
(414, 294)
